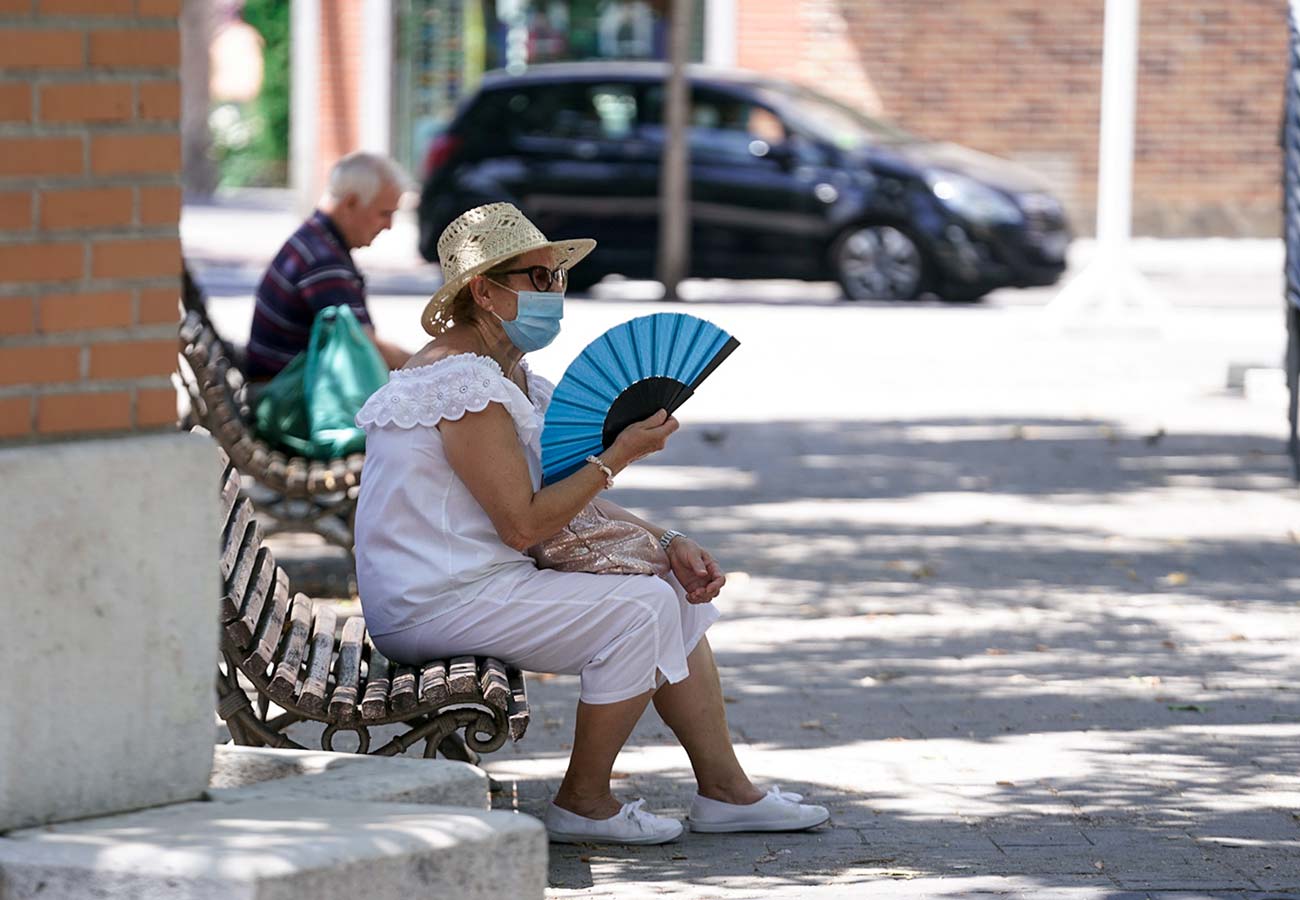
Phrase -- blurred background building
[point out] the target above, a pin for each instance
(1016, 78)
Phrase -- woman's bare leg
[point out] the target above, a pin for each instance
(598, 735)
(694, 710)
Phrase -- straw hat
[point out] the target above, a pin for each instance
(482, 239)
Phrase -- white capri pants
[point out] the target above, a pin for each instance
(620, 633)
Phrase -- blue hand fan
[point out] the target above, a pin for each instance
(626, 375)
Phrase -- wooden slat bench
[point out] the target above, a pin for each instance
(302, 494)
(284, 660)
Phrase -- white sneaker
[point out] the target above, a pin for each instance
(777, 811)
(630, 825)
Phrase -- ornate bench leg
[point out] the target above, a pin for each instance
(453, 746)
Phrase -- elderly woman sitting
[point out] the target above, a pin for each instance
(451, 499)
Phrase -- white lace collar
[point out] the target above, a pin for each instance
(452, 386)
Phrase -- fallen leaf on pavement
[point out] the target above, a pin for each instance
(1007, 783)
(995, 651)
(1176, 579)
(1169, 645)
(902, 874)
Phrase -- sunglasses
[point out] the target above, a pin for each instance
(542, 278)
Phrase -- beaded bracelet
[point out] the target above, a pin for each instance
(600, 464)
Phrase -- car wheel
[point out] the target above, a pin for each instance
(877, 262)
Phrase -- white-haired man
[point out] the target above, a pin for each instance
(314, 268)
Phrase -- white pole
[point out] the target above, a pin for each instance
(1110, 282)
(377, 76)
(1118, 121)
(720, 33)
(304, 101)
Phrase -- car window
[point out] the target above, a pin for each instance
(831, 121)
(574, 111)
(723, 127)
(482, 123)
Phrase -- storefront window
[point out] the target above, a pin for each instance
(446, 45)
(526, 32)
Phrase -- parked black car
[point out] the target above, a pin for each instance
(785, 183)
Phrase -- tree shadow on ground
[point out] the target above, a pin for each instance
(992, 595)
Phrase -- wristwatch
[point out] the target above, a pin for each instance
(667, 538)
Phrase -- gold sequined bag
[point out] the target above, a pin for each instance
(595, 543)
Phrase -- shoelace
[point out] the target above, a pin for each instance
(787, 796)
(632, 812)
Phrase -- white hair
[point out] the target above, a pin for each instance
(364, 174)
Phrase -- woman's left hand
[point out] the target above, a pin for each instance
(697, 571)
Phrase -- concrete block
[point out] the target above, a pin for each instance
(270, 850)
(108, 569)
(256, 773)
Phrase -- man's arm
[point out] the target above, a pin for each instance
(393, 355)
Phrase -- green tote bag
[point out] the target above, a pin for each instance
(310, 407)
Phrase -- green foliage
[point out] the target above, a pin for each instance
(271, 19)
(256, 150)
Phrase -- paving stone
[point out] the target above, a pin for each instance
(1040, 835)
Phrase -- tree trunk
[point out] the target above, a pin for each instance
(674, 181)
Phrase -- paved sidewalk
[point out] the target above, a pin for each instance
(1018, 604)
(1020, 607)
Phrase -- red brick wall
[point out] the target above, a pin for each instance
(89, 212)
(339, 129)
(1022, 79)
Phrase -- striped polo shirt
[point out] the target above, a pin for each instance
(312, 271)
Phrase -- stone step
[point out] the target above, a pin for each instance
(259, 773)
(255, 849)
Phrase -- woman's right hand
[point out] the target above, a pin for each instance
(643, 438)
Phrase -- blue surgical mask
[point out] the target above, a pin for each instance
(538, 320)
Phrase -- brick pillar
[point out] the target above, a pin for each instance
(107, 547)
(89, 210)
(339, 125)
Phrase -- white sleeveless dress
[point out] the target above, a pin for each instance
(436, 579)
